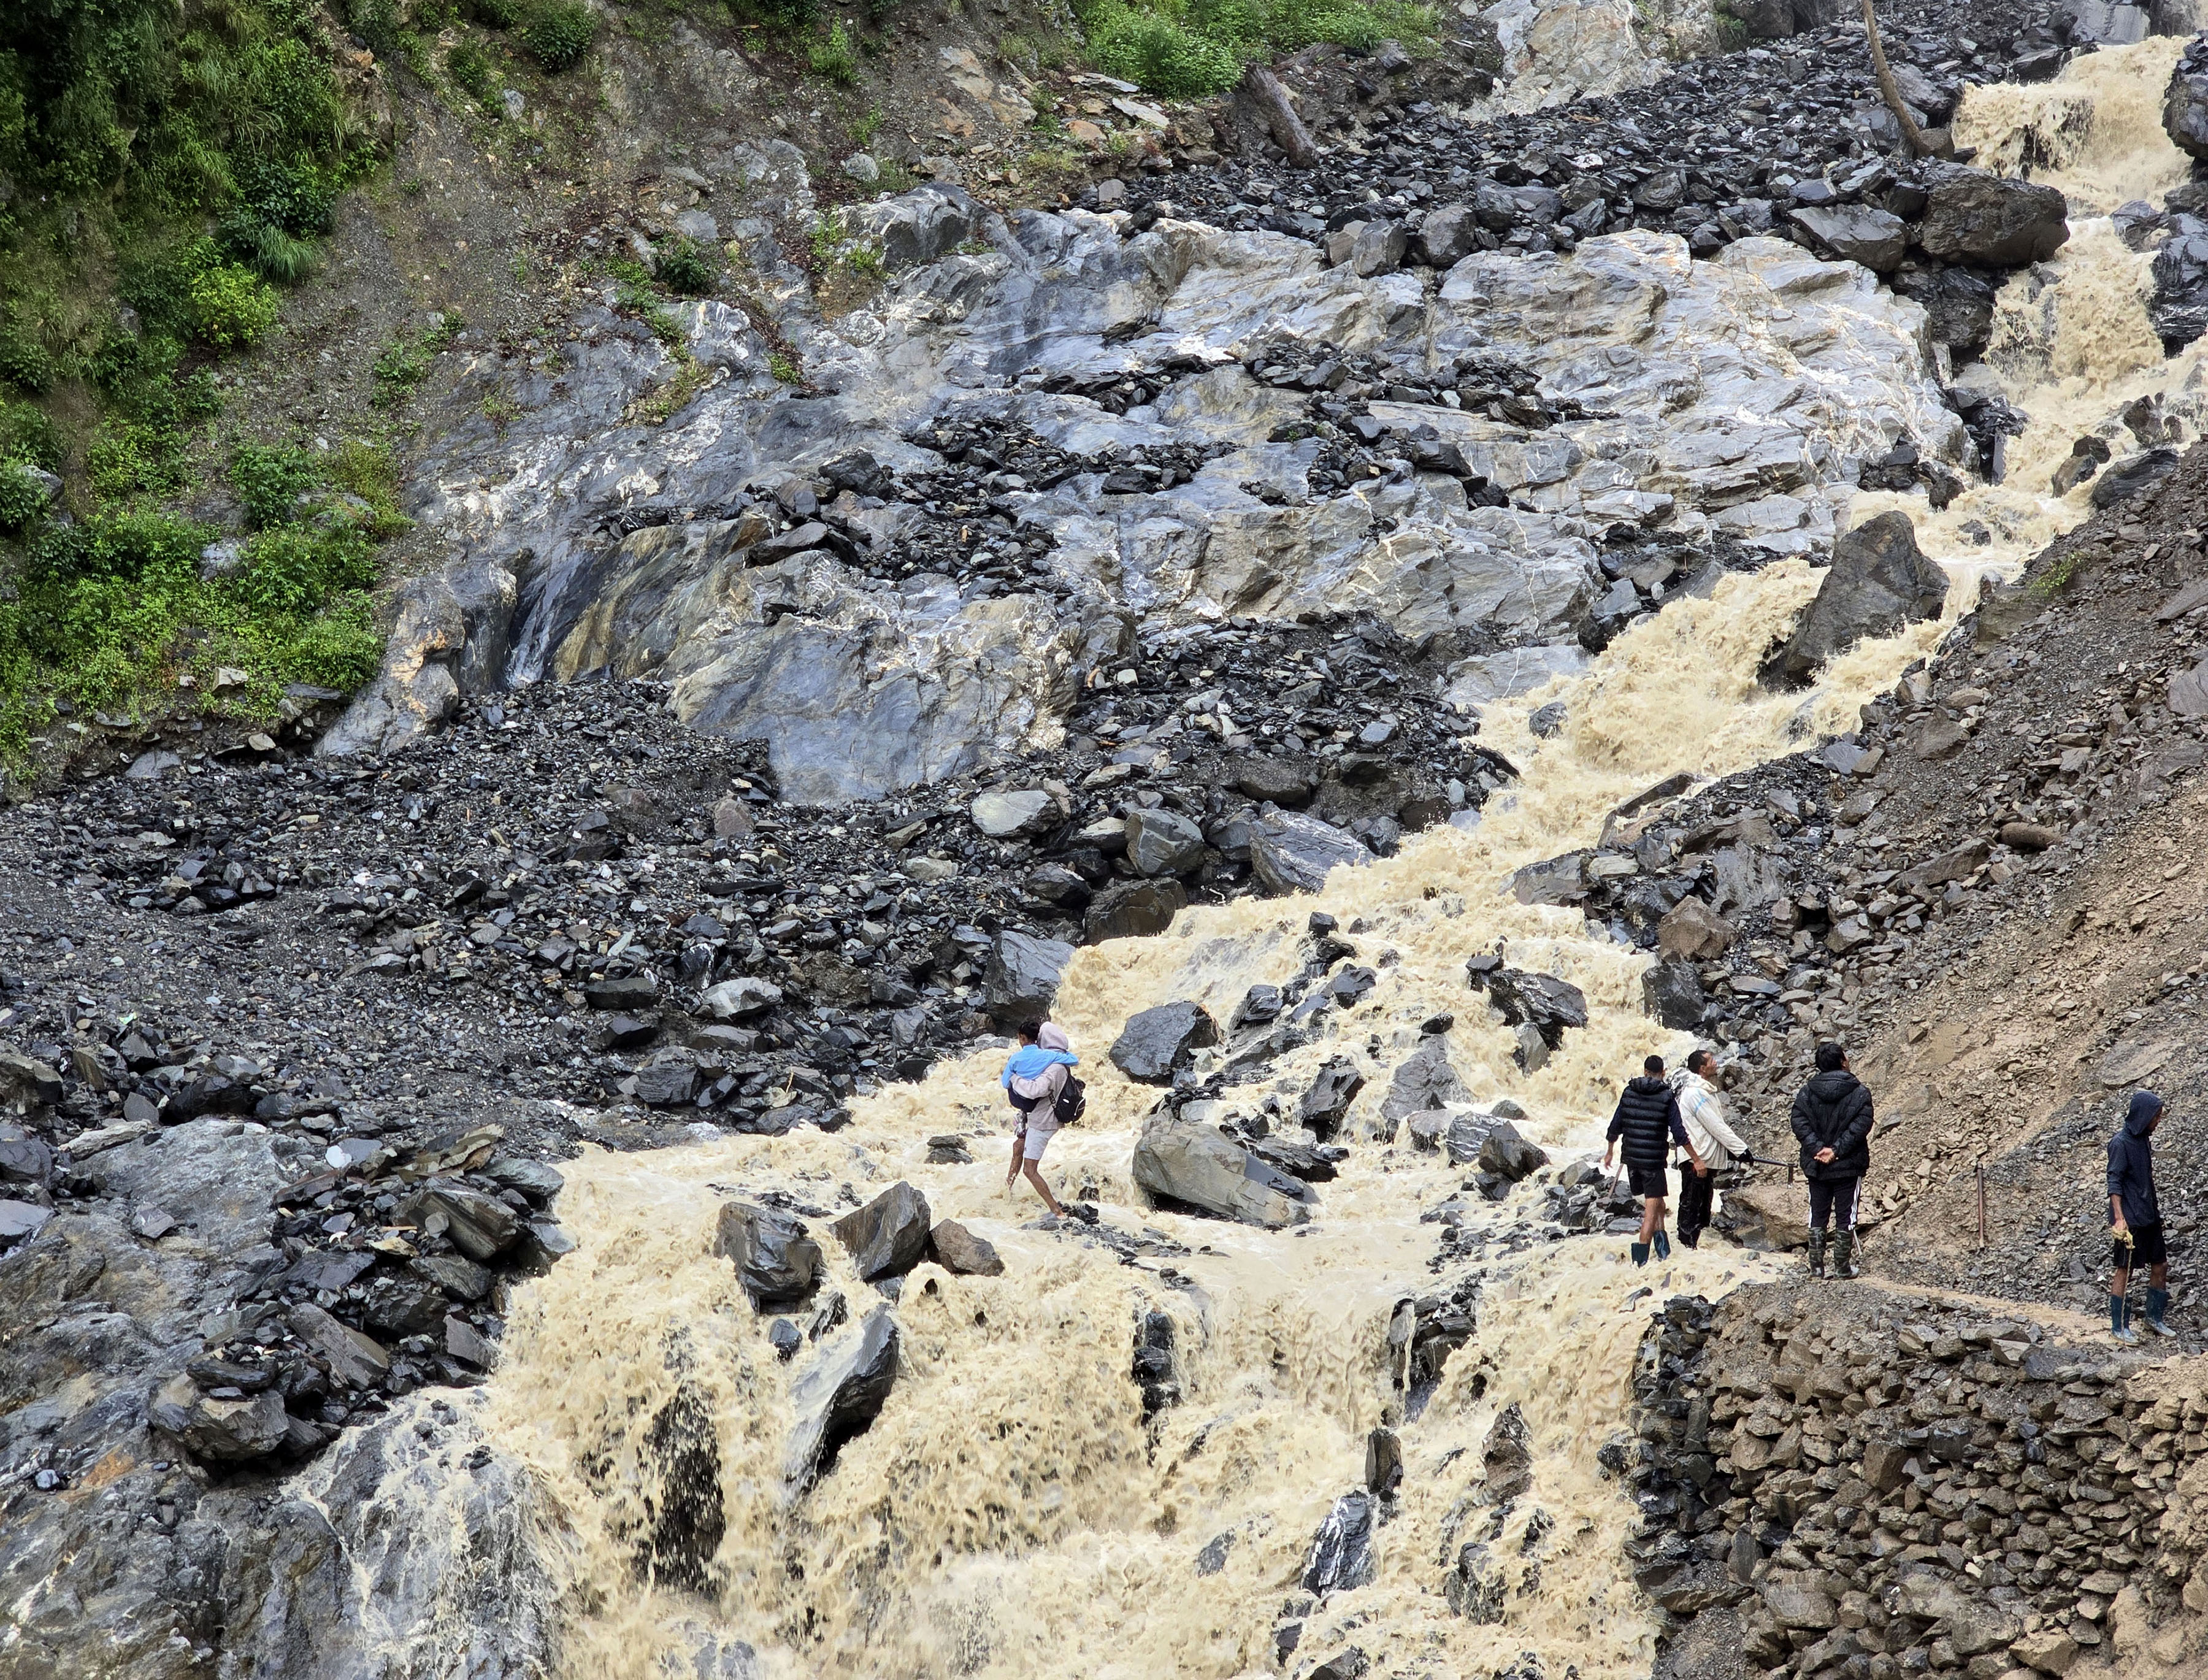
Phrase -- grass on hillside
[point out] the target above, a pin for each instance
(1186, 49)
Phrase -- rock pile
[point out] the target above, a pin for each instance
(1835, 1477)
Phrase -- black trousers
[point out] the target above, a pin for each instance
(1695, 1191)
(1833, 1201)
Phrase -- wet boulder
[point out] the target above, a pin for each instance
(1877, 239)
(222, 1430)
(1879, 580)
(1133, 909)
(1425, 1080)
(1988, 220)
(1507, 1456)
(955, 1249)
(1194, 1165)
(738, 999)
(1162, 842)
(1021, 979)
(1158, 1042)
(1671, 991)
(1543, 1002)
(778, 1263)
(2179, 307)
(1449, 233)
(1292, 852)
(1509, 1156)
(1341, 1551)
(2185, 105)
(1324, 1106)
(838, 1397)
(481, 1226)
(888, 1237)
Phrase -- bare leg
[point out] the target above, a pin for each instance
(1035, 1177)
(1652, 1216)
(1013, 1173)
(2157, 1275)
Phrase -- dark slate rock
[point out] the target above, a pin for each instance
(1159, 1041)
(888, 1237)
(776, 1263)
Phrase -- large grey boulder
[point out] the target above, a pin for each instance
(1292, 852)
(1423, 1080)
(1162, 842)
(838, 1396)
(1879, 580)
(1196, 1165)
(1158, 1042)
(2185, 105)
(2102, 23)
(481, 1226)
(1990, 221)
(776, 1263)
(1878, 239)
(1003, 812)
(1542, 1002)
(2180, 306)
(1325, 1104)
(1021, 979)
(223, 1431)
(1133, 909)
(888, 1237)
(918, 226)
(1449, 233)
(449, 638)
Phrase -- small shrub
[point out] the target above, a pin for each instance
(434, 14)
(783, 369)
(28, 434)
(833, 57)
(495, 14)
(1159, 55)
(127, 548)
(685, 266)
(380, 24)
(22, 498)
(231, 308)
(864, 130)
(293, 569)
(790, 15)
(268, 249)
(368, 471)
(558, 33)
(24, 362)
(269, 482)
(130, 458)
(471, 74)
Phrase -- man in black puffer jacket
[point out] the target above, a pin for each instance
(1647, 1123)
(1832, 1119)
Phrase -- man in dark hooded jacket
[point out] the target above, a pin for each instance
(1647, 1123)
(2135, 1220)
(1832, 1119)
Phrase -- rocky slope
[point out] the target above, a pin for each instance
(1092, 582)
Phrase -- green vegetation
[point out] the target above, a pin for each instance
(784, 368)
(1185, 49)
(558, 32)
(832, 56)
(405, 362)
(470, 69)
(685, 266)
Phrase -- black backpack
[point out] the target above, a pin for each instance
(1072, 1102)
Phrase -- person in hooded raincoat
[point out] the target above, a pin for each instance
(2135, 1220)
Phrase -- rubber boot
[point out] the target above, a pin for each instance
(2120, 1320)
(1640, 1254)
(1663, 1244)
(1816, 1254)
(2157, 1304)
(1844, 1255)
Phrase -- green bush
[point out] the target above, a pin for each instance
(788, 16)
(128, 547)
(1160, 54)
(495, 14)
(269, 482)
(27, 434)
(231, 308)
(293, 569)
(22, 498)
(470, 73)
(558, 33)
(379, 23)
(24, 362)
(833, 57)
(685, 266)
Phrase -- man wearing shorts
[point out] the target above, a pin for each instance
(1034, 1076)
(1832, 1122)
(2135, 1220)
(1645, 1127)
